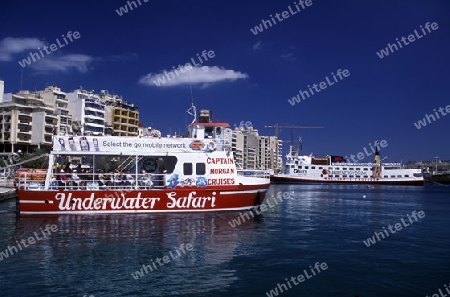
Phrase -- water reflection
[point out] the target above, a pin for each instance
(100, 252)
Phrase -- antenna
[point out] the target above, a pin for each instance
(192, 110)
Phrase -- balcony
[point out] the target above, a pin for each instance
(24, 130)
(25, 121)
(24, 138)
(62, 99)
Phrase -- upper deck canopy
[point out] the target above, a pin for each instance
(125, 145)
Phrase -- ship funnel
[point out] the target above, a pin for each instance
(376, 158)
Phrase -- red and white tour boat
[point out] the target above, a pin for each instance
(142, 175)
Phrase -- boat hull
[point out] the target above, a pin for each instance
(286, 179)
(188, 199)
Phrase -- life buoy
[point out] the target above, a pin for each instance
(324, 171)
(211, 146)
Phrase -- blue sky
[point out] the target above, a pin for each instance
(251, 77)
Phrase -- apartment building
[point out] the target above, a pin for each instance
(252, 151)
(88, 111)
(53, 96)
(27, 121)
(122, 118)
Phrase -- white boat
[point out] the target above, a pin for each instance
(335, 169)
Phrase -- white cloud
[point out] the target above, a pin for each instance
(205, 75)
(289, 56)
(11, 45)
(63, 63)
(257, 45)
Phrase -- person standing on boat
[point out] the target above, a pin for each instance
(129, 179)
(76, 179)
(145, 180)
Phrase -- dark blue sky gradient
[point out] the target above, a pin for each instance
(381, 99)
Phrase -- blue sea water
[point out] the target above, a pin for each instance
(95, 256)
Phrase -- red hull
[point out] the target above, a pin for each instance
(192, 199)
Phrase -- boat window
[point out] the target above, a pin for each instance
(344, 168)
(320, 167)
(399, 176)
(358, 176)
(292, 166)
(366, 176)
(313, 167)
(306, 167)
(358, 169)
(366, 169)
(344, 176)
(187, 168)
(392, 176)
(351, 176)
(300, 167)
(337, 168)
(406, 175)
(168, 163)
(386, 176)
(350, 168)
(337, 175)
(200, 168)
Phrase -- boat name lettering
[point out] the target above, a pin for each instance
(71, 203)
(347, 172)
(220, 181)
(190, 201)
(299, 171)
(221, 171)
(219, 160)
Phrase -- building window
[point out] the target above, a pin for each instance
(187, 168)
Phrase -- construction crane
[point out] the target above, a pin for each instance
(278, 126)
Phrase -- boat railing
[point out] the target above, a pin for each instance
(254, 173)
(92, 182)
